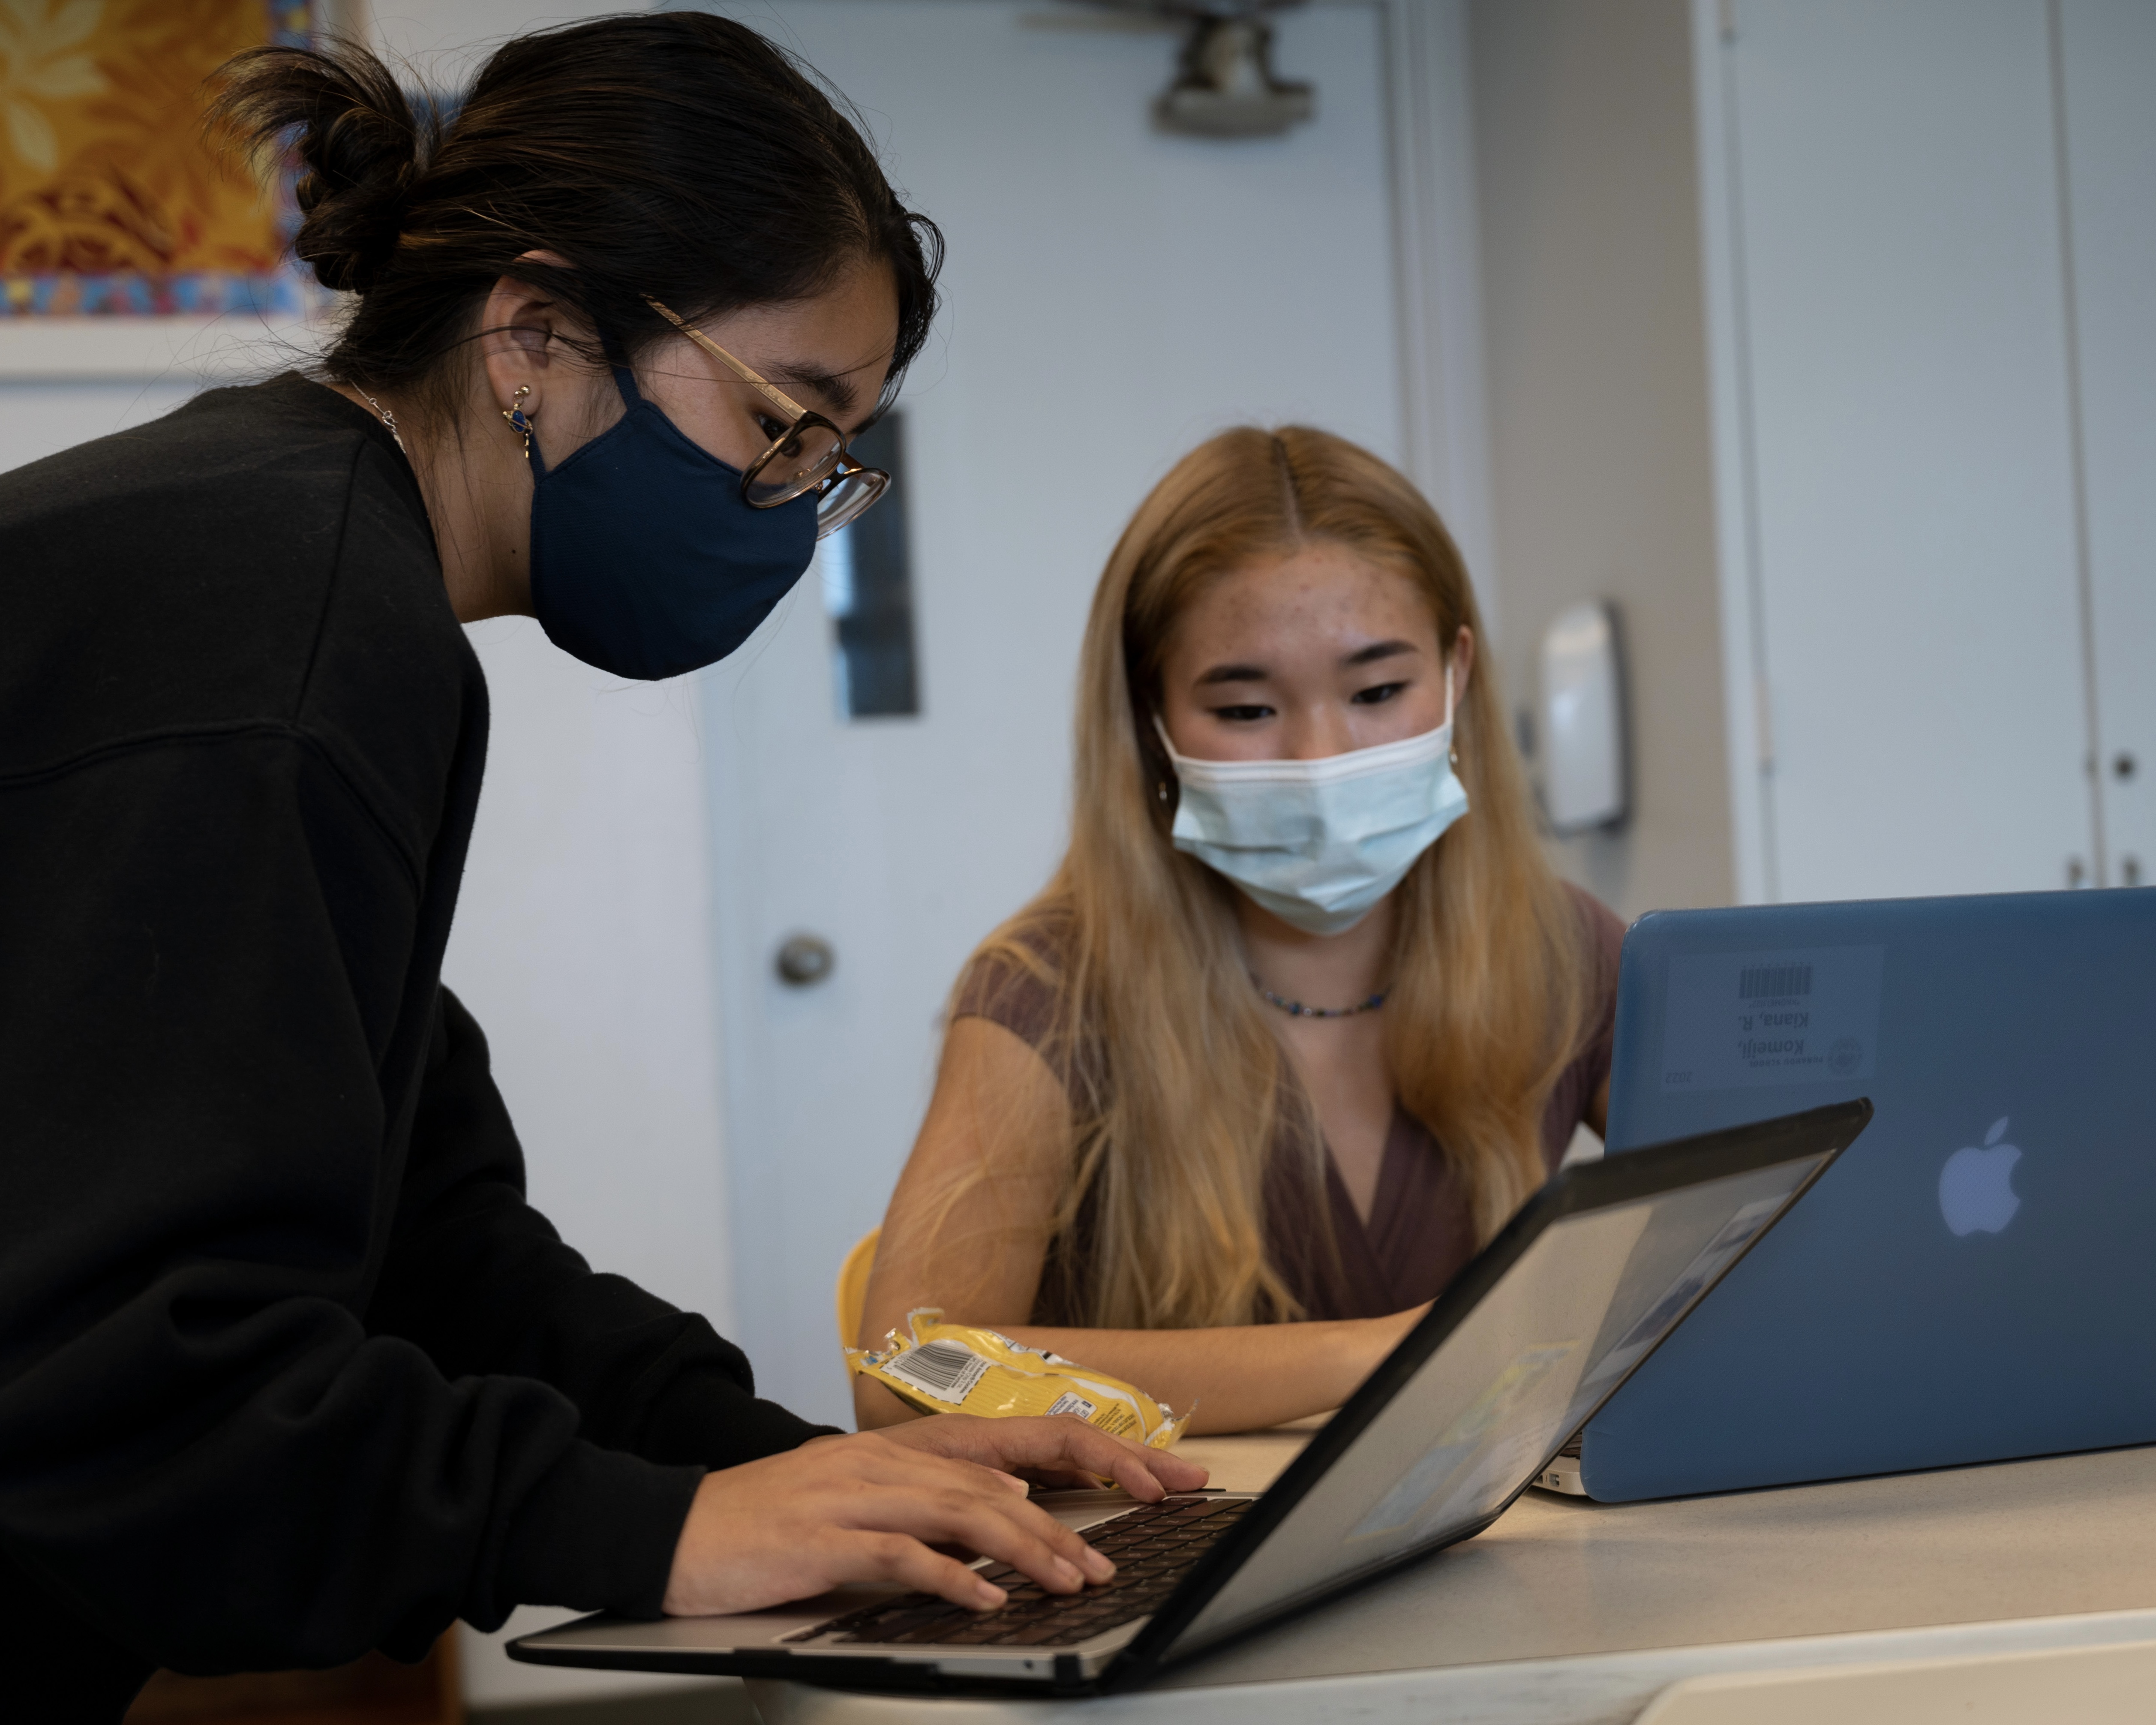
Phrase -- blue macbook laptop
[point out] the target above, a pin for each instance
(1976, 1278)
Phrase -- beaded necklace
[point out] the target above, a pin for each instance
(1295, 1009)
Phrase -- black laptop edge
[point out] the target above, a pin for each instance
(1823, 1131)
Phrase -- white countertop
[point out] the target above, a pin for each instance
(1567, 1612)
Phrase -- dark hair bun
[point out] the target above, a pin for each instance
(672, 155)
(360, 150)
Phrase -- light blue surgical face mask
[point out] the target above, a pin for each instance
(1318, 843)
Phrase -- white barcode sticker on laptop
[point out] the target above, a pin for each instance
(944, 1369)
(1732, 1021)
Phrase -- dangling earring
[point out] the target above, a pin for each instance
(1163, 790)
(518, 419)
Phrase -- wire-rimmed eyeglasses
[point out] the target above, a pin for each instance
(809, 455)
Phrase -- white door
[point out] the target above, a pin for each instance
(2108, 77)
(1900, 276)
(1114, 295)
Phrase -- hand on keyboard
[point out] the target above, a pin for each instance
(1152, 1546)
(870, 1506)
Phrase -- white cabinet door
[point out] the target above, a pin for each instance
(2108, 74)
(1901, 314)
(1115, 294)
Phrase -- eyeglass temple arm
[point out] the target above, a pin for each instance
(771, 393)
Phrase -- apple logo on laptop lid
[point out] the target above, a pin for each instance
(1976, 1187)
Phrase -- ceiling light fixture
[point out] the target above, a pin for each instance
(1224, 86)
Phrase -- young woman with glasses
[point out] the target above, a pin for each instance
(1304, 1015)
(289, 1369)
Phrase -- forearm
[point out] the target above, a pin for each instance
(1239, 1378)
(998, 1132)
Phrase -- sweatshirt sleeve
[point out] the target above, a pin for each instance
(201, 1447)
(480, 1281)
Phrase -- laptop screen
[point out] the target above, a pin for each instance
(1506, 1372)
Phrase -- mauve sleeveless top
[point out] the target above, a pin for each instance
(1420, 1231)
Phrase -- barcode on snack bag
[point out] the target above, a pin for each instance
(946, 1370)
(1067, 1403)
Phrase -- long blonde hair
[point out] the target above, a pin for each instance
(1176, 1120)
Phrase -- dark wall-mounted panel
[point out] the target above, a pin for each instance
(868, 587)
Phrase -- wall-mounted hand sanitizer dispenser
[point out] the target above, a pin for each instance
(1583, 720)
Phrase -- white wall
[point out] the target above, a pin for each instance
(38, 418)
(1596, 363)
(581, 945)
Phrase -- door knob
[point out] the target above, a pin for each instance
(805, 960)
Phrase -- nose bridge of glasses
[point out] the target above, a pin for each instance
(799, 459)
(846, 497)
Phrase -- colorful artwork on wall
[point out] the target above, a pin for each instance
(112, 200)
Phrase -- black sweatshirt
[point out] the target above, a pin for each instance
(289, 1368)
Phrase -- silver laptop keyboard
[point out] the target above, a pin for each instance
(1152, 1546)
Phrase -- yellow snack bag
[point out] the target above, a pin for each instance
(961, 1369)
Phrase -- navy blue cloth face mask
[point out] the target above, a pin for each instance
(646, 560)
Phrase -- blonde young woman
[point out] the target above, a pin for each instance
(1304, 1015)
